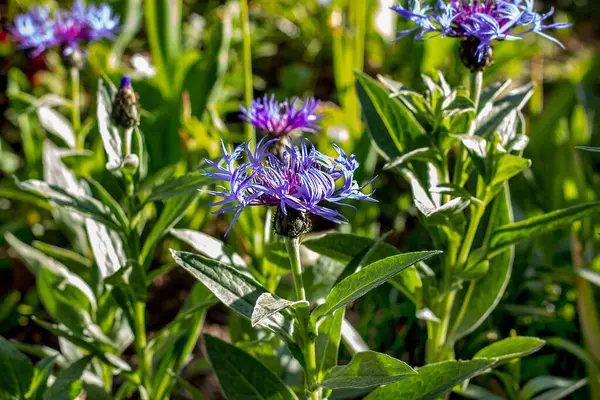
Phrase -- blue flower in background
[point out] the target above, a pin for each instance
(302, 180)
(37, 30)
(479, 21)
(279, 119)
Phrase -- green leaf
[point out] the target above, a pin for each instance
(391, 126)
(477, 148)
(562, 393)
(107, 247)
(510, 234)
(367, 279)
(511, 348)
(173, 211)
(77, 202)
(57, 125)
(186, 184)
(72, 289)
(17, 371)
(488, 290)
(507, 167)
(489, 119)
(432, 381)
(367, 369)
(345, 247)
(327, 343)
(210, 247)
(543, 383)
(235, 289)
(39, 383)
(68, 384)
(590, 275)
(423, 154)
(110, 134)
(242, 376)
(592, 149)
(268, 304)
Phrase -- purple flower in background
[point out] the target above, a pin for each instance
(37, 30)
(301, 181)
(480, 22)
(279, 119)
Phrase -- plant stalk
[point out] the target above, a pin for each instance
(247, 57)
(75, 107)
(310, 357)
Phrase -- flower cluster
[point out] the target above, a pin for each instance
(302, 180)
(481, 21)
(37, 30)
(279, 119)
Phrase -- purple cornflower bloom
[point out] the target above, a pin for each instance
(302, 180)
(37, 31)
(481, 21)
(279, 119)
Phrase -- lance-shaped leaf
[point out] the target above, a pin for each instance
(77, 202)
(209, 246)
(42, 371)
(367, 369)
(69, 382)
(367, 279)
(391, 126)
(235, 289)
(242, 376)
(72, 288)
(327, 344)
(17, 371)
(423, 154)
(510, 234)
(507, 167)
(590, 275)
(111, 136)
(488, 121)
(268, 304)
(57, 125)
(188, 183)
(544, 383)
(511, 348)
(562, 393)
(432, 381)
(107, 248)
(346, 247)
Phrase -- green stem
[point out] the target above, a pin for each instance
(144, 362)
(475, 88)
(477, 212)
(76, 103)
(308, 336)
(247, 57)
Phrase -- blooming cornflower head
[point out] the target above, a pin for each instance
(304, 181)
(478, 22)
(38, 30)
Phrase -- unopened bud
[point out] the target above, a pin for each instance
(277, 148)
(294, 224)
(130, 164)
(471, 58)
(126, 110)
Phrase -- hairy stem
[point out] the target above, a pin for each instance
(293, 248)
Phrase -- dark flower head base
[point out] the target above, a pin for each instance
(279, 119)
(478, 22)
(37, 30)
(300, 182)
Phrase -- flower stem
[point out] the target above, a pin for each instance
(247, 57)
(76, 103)
(308, 336)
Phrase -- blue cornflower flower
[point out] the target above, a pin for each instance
(38, 30)
(279, 119)
(300, 181)
(480, 22)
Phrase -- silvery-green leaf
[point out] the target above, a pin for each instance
(107, 248)
(57, 125)
(543, 383)
(236, 290)
(268, 304)
(423, 154)
(447, 210)
(432, 381)
(426, 314)
(367, 279)
(562, 393)
(42, 371)
(586, 148)
(367, 369)
(327, 343)
(513, 101)
(111, 136)
(73, 288)
(477, 148)
(592, 276)
(209, 246)
(82, 204)
(459, 105)
(69, 383)
(456, 191)
(491, 92)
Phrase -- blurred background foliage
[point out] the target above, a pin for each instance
(190, 80)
